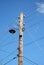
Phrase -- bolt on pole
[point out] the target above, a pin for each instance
(20, 49)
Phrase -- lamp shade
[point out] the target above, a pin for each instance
(12, 31)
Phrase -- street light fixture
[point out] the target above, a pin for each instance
(12, 31)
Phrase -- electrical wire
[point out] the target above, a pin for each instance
(30, 26)
(33, 25)
(26, 45)
(30, 15)
(5, 41)
(9, 43)
(34, 41)
(10, 60)
(30, 61)
(9, 55)
(4, 46)
(9, 26)
(16, 23)
(26, 16)
(3, 51)
(31, 42)
(24, 58)
(5, 38)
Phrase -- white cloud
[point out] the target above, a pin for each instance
(40, 7)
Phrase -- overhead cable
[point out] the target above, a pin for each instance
(8, 55)
(10, 60)
(34, 41)
(30, 61)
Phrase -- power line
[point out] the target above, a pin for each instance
(3, 51)
(24, 58)
(7, 39)
(10, 60)
(31, 43)
(30, 61)
(12, 22)
(26, 16)
(34, 41)
(9, 43)
(34, 11)
(9, 55)
(9, 26)
(26, 45)
(30, 26)
(34, 24)
(4, 46)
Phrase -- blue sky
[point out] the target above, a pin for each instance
(33, 36)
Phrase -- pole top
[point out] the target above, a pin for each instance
(21, 14)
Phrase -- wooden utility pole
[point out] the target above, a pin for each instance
(20, 49)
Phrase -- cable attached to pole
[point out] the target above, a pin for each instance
(30, 61)
(10, 60)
